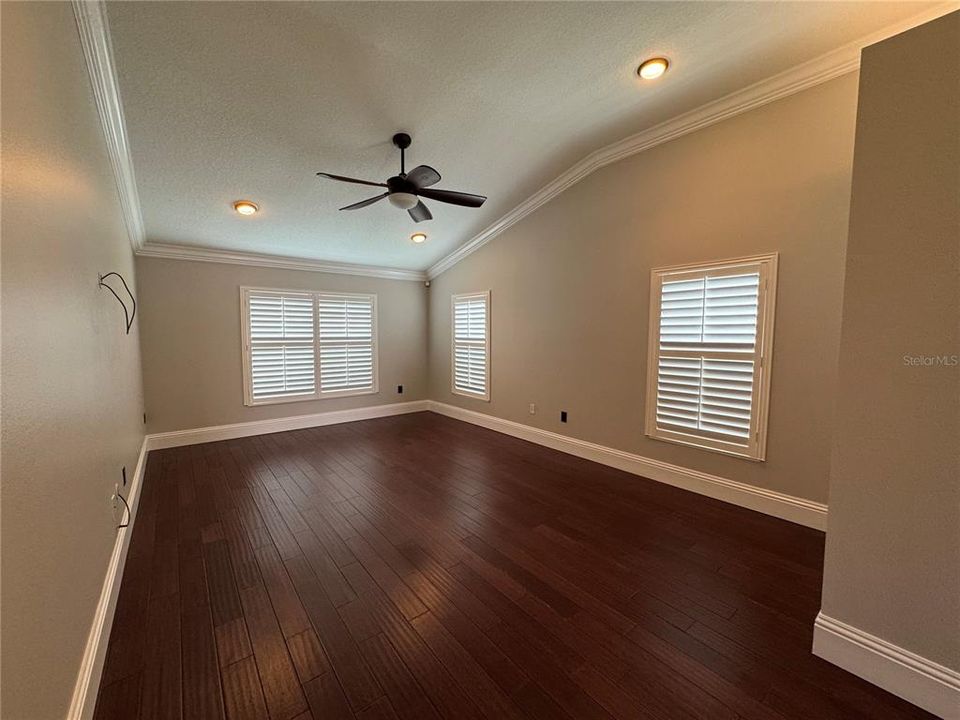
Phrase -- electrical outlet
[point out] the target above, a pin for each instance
(533, 408)
(115, 498)
(563, 416)
(399, 389)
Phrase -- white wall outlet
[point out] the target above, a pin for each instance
(533, 408)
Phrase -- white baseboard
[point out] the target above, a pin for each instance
(931, 686)
(158, 441)
(84, 698)
(798, 510)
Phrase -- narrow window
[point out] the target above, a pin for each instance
(471, 345)
(348, 357)
(711, 343)
(280, 345)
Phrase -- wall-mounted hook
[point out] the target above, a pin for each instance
(128, 315)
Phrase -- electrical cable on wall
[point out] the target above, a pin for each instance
(122, 499)
(129, 315)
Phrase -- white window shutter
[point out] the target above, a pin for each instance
(347, 343)
(471, 345)
(281, 349)
(711, 335)
(305, 345)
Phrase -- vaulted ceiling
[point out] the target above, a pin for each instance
(228, 101)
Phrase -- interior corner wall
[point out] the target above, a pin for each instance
(192, 348)
(892, 564)
(71, 400)
(570, 283)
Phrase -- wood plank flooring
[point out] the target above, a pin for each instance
(417, 567)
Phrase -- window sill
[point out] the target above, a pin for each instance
(313, 396)
(475, 396)
(700, 444)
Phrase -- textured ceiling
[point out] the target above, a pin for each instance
(231, 100)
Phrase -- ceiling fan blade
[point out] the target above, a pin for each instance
(423, 176)
(341, 178)
(453, 197)
(419, 212)
(364, 203)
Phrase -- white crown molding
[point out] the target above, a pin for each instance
(809, 74)
(200, 254)
(85, 690)
(97, 49)
(786, 507)
(98, 52)
(913, 677)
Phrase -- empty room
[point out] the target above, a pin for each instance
(480, 360)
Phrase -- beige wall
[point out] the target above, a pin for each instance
(192, 360)
(570, 283)
(71, 398)
(893, 545)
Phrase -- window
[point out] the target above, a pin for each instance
(306, 345)
(711, 339)
(471, 345)
(347, 344)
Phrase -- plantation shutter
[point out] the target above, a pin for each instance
(709, 356)
(347, 343)
(471, 341)
(280, 345)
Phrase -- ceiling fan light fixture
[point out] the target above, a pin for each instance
(403, 200)
(653, 68)
(419, 237)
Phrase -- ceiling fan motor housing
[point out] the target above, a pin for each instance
(400, 184)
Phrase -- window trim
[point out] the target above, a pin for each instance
(756, 448)
(317, 394)
(485, 294)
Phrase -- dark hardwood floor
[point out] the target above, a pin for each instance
(418, 567)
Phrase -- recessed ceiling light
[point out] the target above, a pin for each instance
(245, 207)
(419, 237)
(653, 68)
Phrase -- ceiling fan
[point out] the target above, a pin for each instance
(405, 190)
